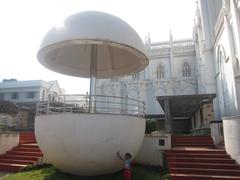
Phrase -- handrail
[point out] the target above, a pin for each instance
(116, 97)
(231, 117)
(100, 104)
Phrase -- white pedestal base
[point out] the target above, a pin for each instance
(86, 144)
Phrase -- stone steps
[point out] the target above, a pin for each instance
(194, 158)
(26, 153)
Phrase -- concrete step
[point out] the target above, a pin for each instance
(27, 142)
(27, 149)
(219, 172)
(33, 145)
(197, 155)
(20, 157)
(27, 136)
(190, 137)
(192, 142)
(27, 139)
(202, 177)
(195, 158)
(15, 161)
(193, 145)
(9, 167)
(199, 151)
(203, 165)
(24, 153)
(201, 160)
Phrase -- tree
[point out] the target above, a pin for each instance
(8, 107)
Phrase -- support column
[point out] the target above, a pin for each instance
(93, 73)
(168, 116)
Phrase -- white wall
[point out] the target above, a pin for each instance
(231, 129)
(8, 141)
(226, 86)
(217, 30)
(151, 153)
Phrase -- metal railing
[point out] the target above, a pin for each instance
(98, 104)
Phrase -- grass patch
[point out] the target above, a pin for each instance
(49, 172)
(165, 170)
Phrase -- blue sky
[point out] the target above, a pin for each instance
(25, 22)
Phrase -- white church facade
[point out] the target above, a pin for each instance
(170, 72)
(202, 72)
(217, 39)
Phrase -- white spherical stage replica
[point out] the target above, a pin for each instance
(86, 144)
(82, 134)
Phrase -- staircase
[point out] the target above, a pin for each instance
(26, 153)
(195, 158)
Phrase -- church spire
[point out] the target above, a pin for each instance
(171, 54)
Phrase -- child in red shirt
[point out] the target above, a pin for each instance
(127, 165)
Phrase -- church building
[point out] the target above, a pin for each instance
(189, 83)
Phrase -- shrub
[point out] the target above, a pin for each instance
(151, 125)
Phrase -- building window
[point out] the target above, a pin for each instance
(186, 70)
(30, 95)
(14, 95)
(1, 96)
(43, 95)
(237, 64)
(53, 97)
(160, 72)
(136, 76)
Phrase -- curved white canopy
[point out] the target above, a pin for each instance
(67, 49)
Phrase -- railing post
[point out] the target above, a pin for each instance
(143, 110)
(139, 109)
(64, 105)
(37, 109)
(48, 106)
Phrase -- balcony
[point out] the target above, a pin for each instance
(99, 104)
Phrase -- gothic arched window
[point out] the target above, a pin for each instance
(160, 72)
(186, 70)
(136, 75)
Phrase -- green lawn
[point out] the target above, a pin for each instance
(48, 172)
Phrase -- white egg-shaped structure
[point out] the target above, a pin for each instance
(86, 144)
(82, 135)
